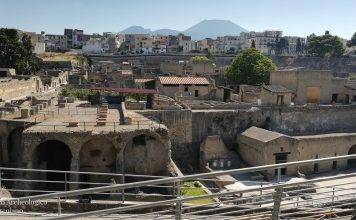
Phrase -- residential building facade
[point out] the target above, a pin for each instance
(56, 42)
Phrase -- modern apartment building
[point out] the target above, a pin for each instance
(56, 42)
(75, 37)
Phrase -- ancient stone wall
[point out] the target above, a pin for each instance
(189, 128)
(19, 88)
(312, 119)
(87, 152)
(10, 141)
(339, 65)
(228, 124)
(179, 124)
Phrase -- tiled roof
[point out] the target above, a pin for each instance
(173, 80)
(250, 89)
(261, 134)
(143, 80)
(276, 88)
(124, 90)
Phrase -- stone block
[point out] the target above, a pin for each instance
(70, 99)
(25, 113)
(35, 109)
(62, 101)
(40, 107)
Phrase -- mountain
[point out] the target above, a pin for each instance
(165, 32)
(204, 29)
(213, 29)
(136, 30)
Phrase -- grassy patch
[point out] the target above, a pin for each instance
(193, 188)
(76, 60)
(352, 76)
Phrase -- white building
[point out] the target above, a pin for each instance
(39, 48)
(159, 48)
(96, 46)
(262, 39)
(186, 44)
(37, 41)
(229, 44)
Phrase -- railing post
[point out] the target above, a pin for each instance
(65, 182)
(178, 214)
(261, 194)
(354, 213)
(298, 195)
(59, 205)
(0, 179)
(277, 198)
(278, 174)
(123, 175)
(333, 197)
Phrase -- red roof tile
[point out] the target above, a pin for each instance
(174, 80)
(143, 80)
(125, 90)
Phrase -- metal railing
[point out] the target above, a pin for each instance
(88, 125)
(313, 198)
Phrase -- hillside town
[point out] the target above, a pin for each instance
(166, 124)
(117, 43)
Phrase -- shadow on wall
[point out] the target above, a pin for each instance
(97, 155)
(143, 155)
(52, 155)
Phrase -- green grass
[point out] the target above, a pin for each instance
(352, 76)
(76, 60)
(191, 189)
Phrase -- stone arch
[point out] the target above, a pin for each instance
(52, 155)
(351, 163)
(14, 146)
(97, 155)
(145, 154)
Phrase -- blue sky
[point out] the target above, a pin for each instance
(294, 17)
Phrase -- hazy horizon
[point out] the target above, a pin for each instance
(294, 18)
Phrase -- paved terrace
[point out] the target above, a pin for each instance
(83, 117)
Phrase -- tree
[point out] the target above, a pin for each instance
(279, 45)
(32, 62)
(124, 46)
(299, 47)
(250, 67)
(210, 56)
(352, 42)
(200, 59)
(253, 44)
(16, 53)
(282, 45)
(231, 50)
(325, 45)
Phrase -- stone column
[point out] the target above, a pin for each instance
(4, 149)
(74, 166)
